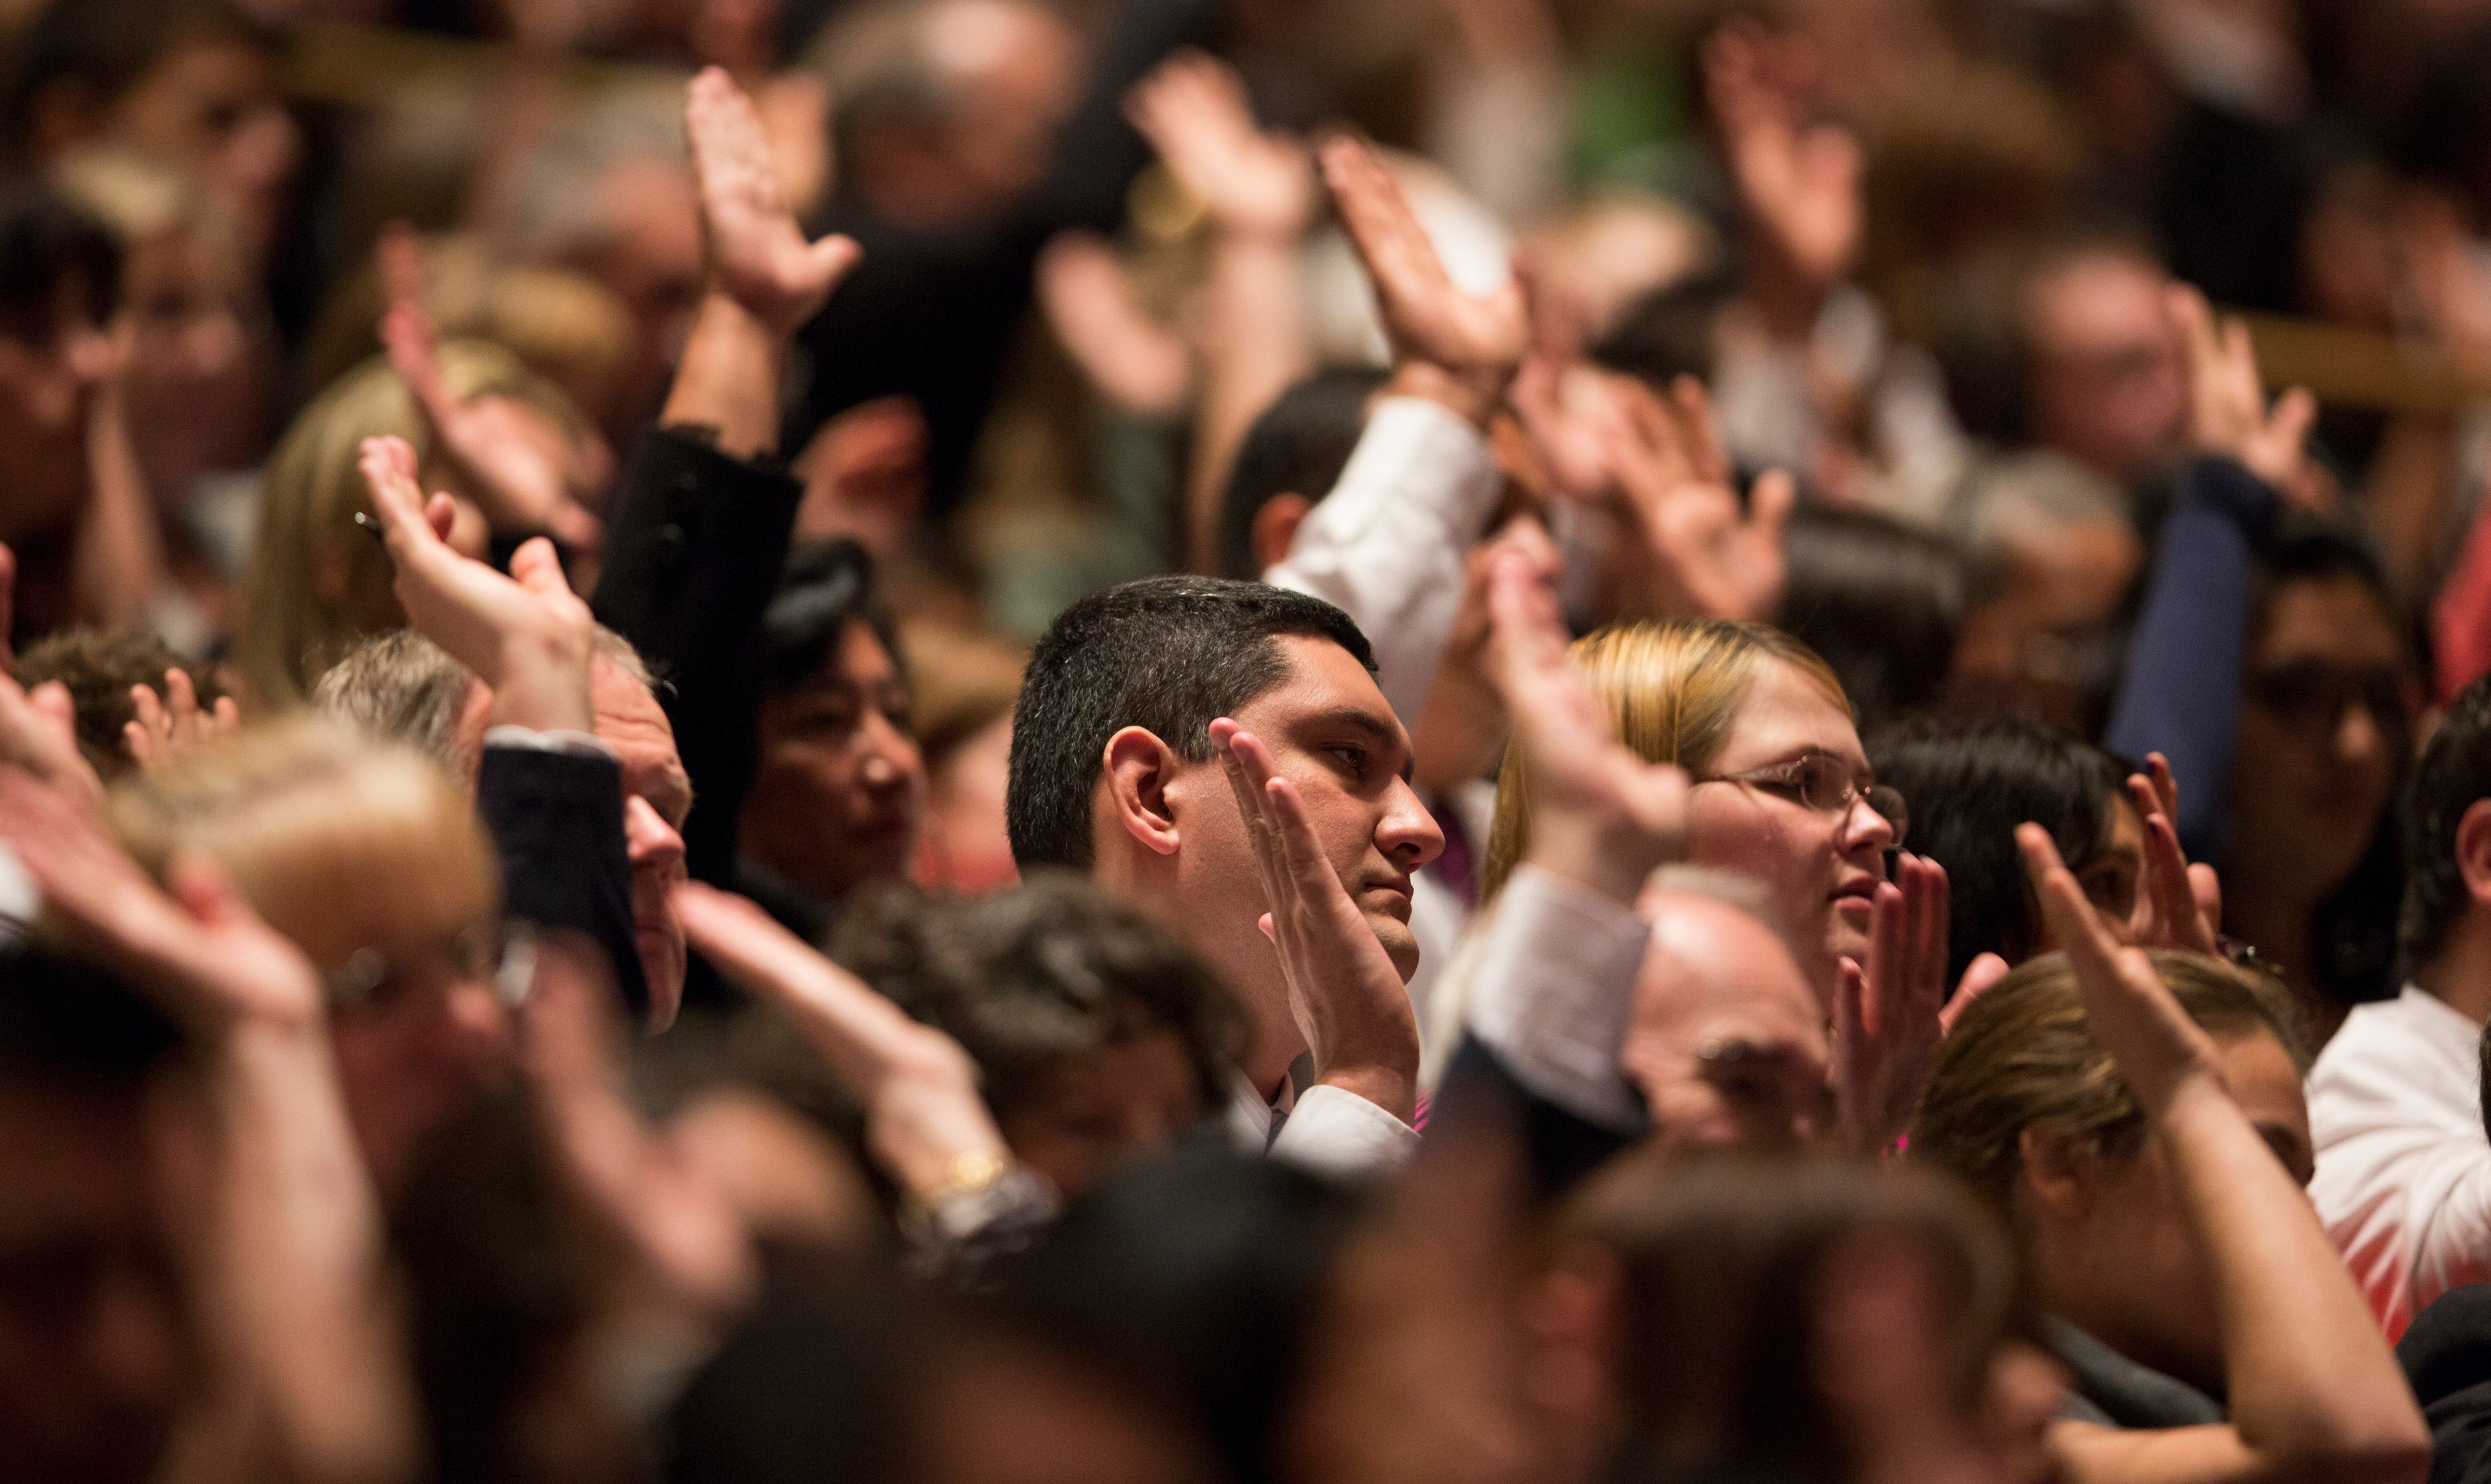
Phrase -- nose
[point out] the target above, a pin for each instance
(474, 1027)
(2357, 738)
(892, 759)
(1862, 828)
(653, 844)
(1407, 834)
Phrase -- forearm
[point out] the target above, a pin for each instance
(118, 564)
(2314, 1389)
(728, 378)
(2181, 693)
(1254, 347)
(298, 1255)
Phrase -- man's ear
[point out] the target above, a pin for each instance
(1276, 528)
(2474, 849)
(1136, 771)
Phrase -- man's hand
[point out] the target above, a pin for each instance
(1439, 332)
(201, 951)
(1708, 559)
(515, 461)
(2227, 410)
(1601, 816)
(165, 729)
(923, 1115)
(757, 254)
(528, 635)
(1348, 999)
(1886, 1023)
(1194, 111)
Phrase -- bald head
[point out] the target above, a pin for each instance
(1726, 1041)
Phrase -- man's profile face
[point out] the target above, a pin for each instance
(656, 799)
(1332, 733)
(1726, 1042)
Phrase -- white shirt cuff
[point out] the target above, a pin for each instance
(1338, 1133)
(1555, 993)
(561, 740)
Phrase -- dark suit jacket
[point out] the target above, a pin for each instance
(2447, 1356)
(556, 819)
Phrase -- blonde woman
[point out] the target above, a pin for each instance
(471, 411)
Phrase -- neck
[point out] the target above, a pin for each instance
(2459, 973)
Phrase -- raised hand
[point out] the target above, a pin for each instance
(1797, 181)
(658, 1225)
(2227, 407)
(1479, 339)
(925, 1120)
(757, 252)
(1887, 1021)
(200, 950)
(1709, 559)
(527, 635)
(1599, 815)
(514, 459)
(2158, 1048)
(1344, 992)
(1194, 111)
(1134, 361)
(165, 729)
(39, 733)
(2178, 905)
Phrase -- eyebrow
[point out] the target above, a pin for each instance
(1384, 735)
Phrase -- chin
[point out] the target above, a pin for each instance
(1398, 944)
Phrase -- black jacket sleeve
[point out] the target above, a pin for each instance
(556, 819)
(693, 556)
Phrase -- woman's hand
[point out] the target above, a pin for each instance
(165, 729)
(1887, 1014)
(1194, 111)
(2178, 905)
(2227, 408)
(1710, 558)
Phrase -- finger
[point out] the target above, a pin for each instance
(1887, 927)
(150, 713)
(2073, 920)
(228, 713)
(398, 254)
(136, 741)
(388, 466)
(2206, 891)
(2239, 353)
(835, 257)
(2166, 784)
(1770, 503)
(1936, 904)
(1310, 873)
(2295, 414)
(2175, 903)
(1700, 434)
(1979, 977)
(2188, 309)
(180, 705)
(538, 567)
(1247, 790)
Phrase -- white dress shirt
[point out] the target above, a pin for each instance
(1325, 1131)
(2404, 1171)
(1386, 545)
(1552, 991)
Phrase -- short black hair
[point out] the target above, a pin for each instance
(1299, 446)
(1880, 600)
(48, 242)
(1054, 969)
(67, 1023)
(1969, 783)
(1669, 331)
(2454, 772)
(825, 586)
(1169, 654)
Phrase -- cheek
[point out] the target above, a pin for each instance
(1793, 861)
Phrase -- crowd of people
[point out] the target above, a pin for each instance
(1160, 741)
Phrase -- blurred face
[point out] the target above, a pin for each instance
(50, 360)
(93, 1345)
(2037, 645)
(650, 259)
(213, 108)
(1727, 1043)
(841, 791)
(656, 799)
(2108, 381)
(1104, 1108)
(1003, 1414)
(1820, 869)
(422, 1035)
(192, 382)
(1018, 65)
(2116, 1254)
(2324, 719)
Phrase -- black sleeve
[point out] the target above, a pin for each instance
(693, 556)
(556, 819)
(1561, 1148)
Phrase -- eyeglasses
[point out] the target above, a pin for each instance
(2311, 697)
(371, 977)
(1824, 782)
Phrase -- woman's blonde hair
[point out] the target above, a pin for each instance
(1672, 691)
(322, 829)
(292, 631)
(2025, 1056)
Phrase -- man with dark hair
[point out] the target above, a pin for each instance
(1114, 772)
(2395, 1114)
(93, 1343)
(1293, 455)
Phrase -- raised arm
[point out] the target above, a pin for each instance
(2315, 1392)
(293, 1267)
(1386, 545)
